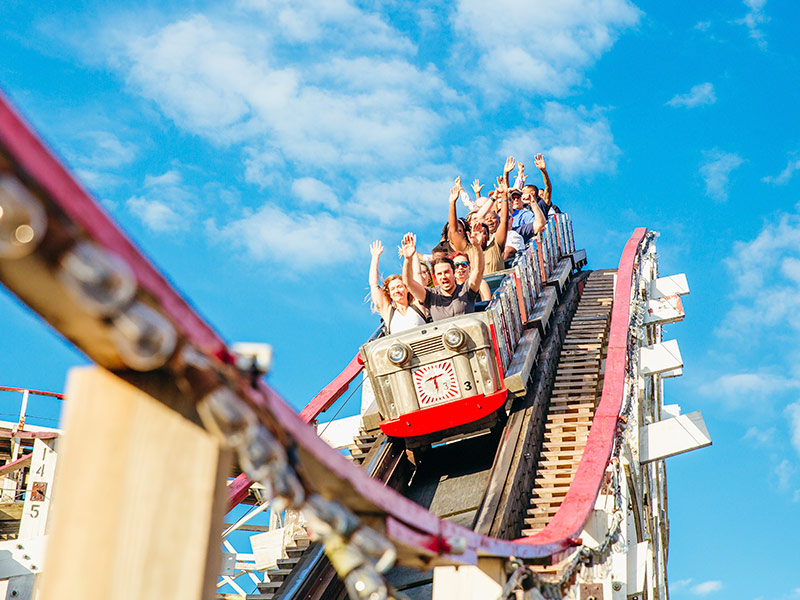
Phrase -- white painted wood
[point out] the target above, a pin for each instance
(43, 468)
(672, 373)
(669, 286)
(21, 556)
(670, 410)
(670, 437)
(339, 434)
(463, 583)
(658, 358)
(667, 309)
(268, 547)
(637, 567)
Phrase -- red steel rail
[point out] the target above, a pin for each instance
(405, 522)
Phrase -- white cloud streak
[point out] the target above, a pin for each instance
(551, 51)
(701, 94)
(576, 142)
(707, 587)
(784, 176)
(754, 20)
(716, 170)
(793, 414)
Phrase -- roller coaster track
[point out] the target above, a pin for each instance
(65, 258)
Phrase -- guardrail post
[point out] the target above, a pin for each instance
(141, 498)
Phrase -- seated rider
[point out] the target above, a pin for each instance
(448, 298)
(392, 300)
(462, 270)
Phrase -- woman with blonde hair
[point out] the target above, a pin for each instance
(392, 300)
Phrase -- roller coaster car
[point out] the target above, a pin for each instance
(452, 377)
(437, 380)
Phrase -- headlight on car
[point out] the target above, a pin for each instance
(398, 354)
(454, 338)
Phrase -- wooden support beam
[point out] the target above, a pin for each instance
(141, 498)
(669, 286)
(661, 357)
(669, 437)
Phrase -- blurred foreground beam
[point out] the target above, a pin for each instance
(141, 498)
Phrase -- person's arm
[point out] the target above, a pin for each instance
(507, 168)
(484, 210)
(456, 239)
(538, 160)
(416, 269)
(378, 297)
(476, 271)
(539, 221)
(502, 230)
(520, 180)
(486, 293)
(409, 250)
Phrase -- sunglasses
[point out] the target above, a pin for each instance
(461, 263)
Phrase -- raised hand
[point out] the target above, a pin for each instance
(475, 238)
(458, 183)
(409, 245)
(538, 160)
(477, 187)
(520, 170)
(509, 166)
(501, 187)
(376, 248)
(454, 192)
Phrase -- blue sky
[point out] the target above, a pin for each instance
(254, 149)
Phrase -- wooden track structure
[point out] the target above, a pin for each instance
(164, 374)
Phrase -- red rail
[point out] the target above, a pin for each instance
(579, 501)
(406, 522)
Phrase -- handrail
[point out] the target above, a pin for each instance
(580, 499)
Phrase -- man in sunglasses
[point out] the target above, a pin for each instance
(448, 298)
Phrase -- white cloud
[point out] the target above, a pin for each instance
(703, 25)
(105, 150)
(785, 175)
(166, 205)
(765, 437)
(681, 583)
(784, 470)
(228, 83)
(171, 177)
(716, 170)
(707, 587)
(575, 142)
(700, 95)
(765, 275)
(314, 192)
(294, 238)
(753, 20)
(556, 43)
(737, 390)
(406, 202)
(334, 22)
(156, 214)
(793, 413)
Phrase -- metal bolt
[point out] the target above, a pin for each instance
(617, 586)
(26, 557)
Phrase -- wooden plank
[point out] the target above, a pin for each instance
(18, 464)
(142, 486)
